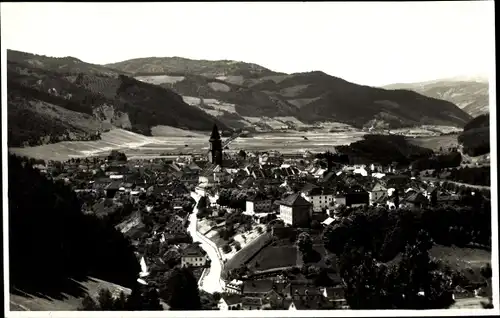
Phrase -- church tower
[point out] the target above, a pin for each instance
(215, 155)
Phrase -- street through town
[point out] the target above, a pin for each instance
(211, 282)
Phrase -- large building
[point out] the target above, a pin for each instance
(319, 197)
(295, 210)
(193, 256)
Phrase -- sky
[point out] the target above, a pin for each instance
(366, 43)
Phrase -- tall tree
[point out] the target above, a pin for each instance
(181, 290)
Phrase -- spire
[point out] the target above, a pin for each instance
(215, 133)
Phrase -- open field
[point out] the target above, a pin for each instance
(247, 253)
(273, 257)
(114, 139)
(461, 255)
(464, 259)
(435, 142)
(175, 141)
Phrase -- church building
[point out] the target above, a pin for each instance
(215, 155)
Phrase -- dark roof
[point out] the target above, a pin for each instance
(232, 299)
(115, 185)
(295, 200)
(382, 199)
(431, 189)
(309, 187)
(193, 166)
(302, 290)
(257, 286)
(321, 191)
(209, 170)
(252, 301)
(416, 197)
(329, 175)
(448, 198)
(215, 133)
(194, 250)
(259, 196)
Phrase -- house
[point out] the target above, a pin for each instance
(264, 218)
(352, 197)
(255, 303)
(258, 203)
(295, 210)
(230, 302)
(376, 193)
(301, 291)
(416, 199)
(328, 178)
(213, 174)
(305, 297)
(176, 225)
(112, 188)
(335, 295)
(448, 199)
(193, 256)
(179, 190)
(320, 198)
(234, 287)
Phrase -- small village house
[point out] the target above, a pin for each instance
(258, 203)
(230, 302)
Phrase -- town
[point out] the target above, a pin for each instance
(265, 231)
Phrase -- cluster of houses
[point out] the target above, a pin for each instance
(270, 294)
(298, 189)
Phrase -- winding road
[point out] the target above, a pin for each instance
(211, 282)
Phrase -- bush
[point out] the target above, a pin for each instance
(259, 230)
(226, 248)
(237, 246)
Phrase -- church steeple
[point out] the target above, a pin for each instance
(215, 155)
(215, 133)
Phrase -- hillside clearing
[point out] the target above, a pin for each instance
(20, 301)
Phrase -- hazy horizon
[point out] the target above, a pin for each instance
(366, 43)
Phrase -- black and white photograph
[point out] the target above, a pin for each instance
(304, 158)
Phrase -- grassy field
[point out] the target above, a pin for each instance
(466, 260)
(244, 255)
(273, 257)
(172, 140)
(469, 260)
(436, 142)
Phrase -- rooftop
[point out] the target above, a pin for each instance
(295, 200)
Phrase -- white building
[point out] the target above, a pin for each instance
(230, 302)
(295, 210)
(319, 198)
(234, 287)
(377, 192)
(193, 256)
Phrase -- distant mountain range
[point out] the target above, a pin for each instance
(470, 93)
(70, 98)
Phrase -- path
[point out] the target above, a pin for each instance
(211, 282)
